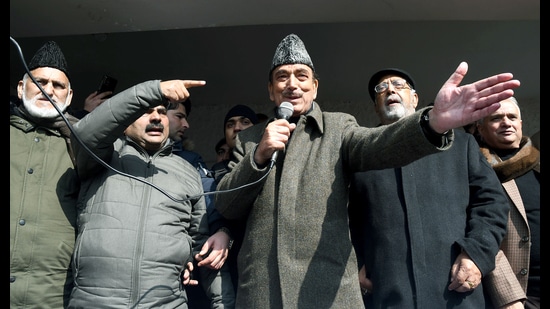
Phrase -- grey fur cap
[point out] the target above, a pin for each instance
(291, 50)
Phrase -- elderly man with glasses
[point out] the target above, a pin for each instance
(425, 234)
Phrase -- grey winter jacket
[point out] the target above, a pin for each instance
(133, 240)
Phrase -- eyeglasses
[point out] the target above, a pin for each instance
(398, 84)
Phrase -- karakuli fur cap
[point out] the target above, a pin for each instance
(291, 50)
(49, 55)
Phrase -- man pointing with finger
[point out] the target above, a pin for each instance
(137, 230)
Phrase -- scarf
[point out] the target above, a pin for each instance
(55, 124)
(525, 159)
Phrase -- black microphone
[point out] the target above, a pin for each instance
(284, 111)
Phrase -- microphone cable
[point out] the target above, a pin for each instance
(106, 165)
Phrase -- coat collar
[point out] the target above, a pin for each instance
(527, 158)
(314, 117)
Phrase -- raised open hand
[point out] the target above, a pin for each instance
(456, 106)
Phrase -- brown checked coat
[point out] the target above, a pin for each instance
(508, 282)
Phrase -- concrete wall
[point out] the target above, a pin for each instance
(235, 62)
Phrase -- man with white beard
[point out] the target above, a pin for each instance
(43, 185)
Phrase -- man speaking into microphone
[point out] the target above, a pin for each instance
(296, 251)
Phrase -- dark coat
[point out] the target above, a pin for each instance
(409, 224)
(296, 251)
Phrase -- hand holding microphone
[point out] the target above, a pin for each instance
(275, 133)
(284, 111)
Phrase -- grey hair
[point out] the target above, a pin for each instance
(511, 99)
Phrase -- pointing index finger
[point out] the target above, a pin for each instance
(194, 83)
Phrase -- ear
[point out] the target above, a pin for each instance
(20, 92)
(414, 98)
(270, 91)
(69, 97)
(315, 87)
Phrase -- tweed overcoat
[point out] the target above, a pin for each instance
(409, 224)
(296, 251)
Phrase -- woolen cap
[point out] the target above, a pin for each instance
(375, 79)
(241, 110)
(219, 144)
(291, 50)
(49, 55)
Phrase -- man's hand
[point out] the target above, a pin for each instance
(176, 90)
(364, 281)
(275, 137)
(465, 275)
(456, 106)
(186, 277)
(214, 252)
(95, 99)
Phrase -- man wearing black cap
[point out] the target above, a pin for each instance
(402, 80)
(425, 234)
(238, 118)
(43, 185)
(222, 150)
(210, 293)
(296, 252)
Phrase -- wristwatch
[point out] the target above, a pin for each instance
(425, 122)
(226, 231)
(438, 139)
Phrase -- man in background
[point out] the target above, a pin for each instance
(238, 118)
(206, 295)
(222, 150)
(516, 279)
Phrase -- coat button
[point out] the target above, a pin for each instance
(523, 271)
(30, 171)
(36, 139)
(12, 279)
(525, 239)
(22, 222)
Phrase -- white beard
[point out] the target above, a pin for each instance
(42, 112)
(394, 113)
